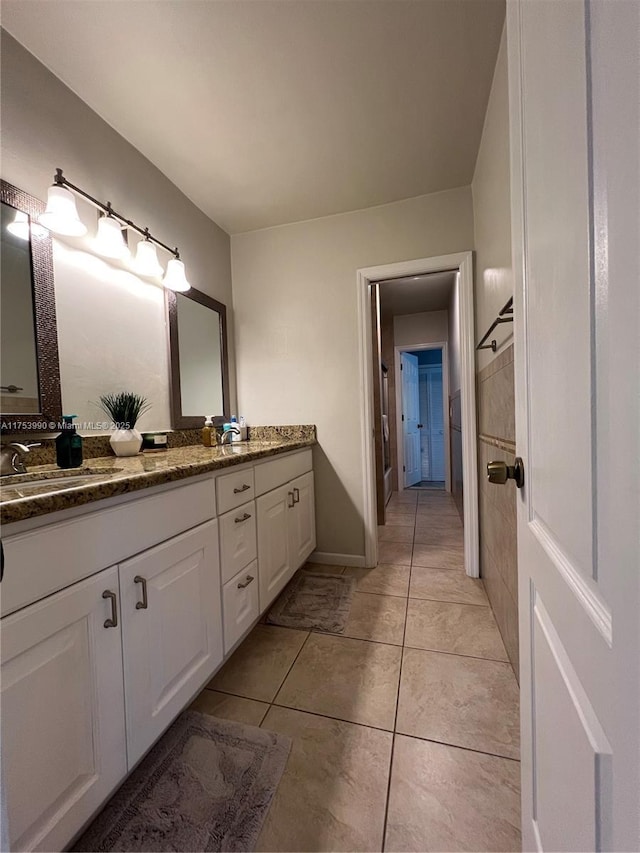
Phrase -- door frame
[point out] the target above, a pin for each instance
(463, 263)
(442, 345)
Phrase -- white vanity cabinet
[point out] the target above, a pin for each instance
(286, 521)
(63, 724)
(171, 629)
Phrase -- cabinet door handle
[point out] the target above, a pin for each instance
(245, 517)
(296, 496)
(248, 580)
(142, 605)
(243, 488)
(113, 622)
(292, 500)
(1, 561)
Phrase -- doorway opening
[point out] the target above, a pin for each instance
(423, 448)
(460, 398)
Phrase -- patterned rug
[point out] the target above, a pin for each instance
(206, 785)
(315, 601)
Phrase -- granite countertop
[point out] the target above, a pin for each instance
(113, 475)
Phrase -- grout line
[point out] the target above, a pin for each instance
(458, 654)
(457, 746)
(329, 717)
(287, 673)
(445, 600)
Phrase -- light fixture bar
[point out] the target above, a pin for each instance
(60, 181)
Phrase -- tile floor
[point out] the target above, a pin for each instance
(404, 728)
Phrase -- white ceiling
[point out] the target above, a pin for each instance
(414, 294)
(272, 111)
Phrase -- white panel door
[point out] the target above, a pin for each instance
(410, 418)
(274, 560)
(63, 727)
(433, 423)
(302, 520)
(172, 630)
(573, 79)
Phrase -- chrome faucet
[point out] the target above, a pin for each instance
(222, 436)
(11, 457)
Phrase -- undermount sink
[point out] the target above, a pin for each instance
(38, 482)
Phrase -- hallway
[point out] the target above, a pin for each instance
(404, 728)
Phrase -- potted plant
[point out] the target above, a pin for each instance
(124, 409)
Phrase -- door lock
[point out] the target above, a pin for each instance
(500, 472)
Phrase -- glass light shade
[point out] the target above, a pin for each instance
(109, 241)
(61, 215)
(146, 261)
(20, 227)
(175, 278)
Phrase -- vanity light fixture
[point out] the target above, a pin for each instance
(21, 228)
(61, 217)
(110, 241)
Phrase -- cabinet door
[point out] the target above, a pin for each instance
(172, 630)
(302, 520)
(63, 726)
(274, 564)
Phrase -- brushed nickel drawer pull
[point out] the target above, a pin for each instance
(245, 517)
(296, 496)
(142, 605)
(242, 488)
(249, 579)
(113, 622)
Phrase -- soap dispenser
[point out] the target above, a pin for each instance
(208, 432)
(69, 445)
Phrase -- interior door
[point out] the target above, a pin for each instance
(573, 81)
(410, 418)
(435, 422)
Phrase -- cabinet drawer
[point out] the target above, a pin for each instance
(235, 489)
(240, 605)
(237, 539)
(276, 472)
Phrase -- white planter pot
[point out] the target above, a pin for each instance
(126, 442)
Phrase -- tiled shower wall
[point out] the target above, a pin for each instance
(498, 544)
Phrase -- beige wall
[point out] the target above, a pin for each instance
(492, 213)
(425, 327)
(111, 324)
(297, 331)
(495, 380)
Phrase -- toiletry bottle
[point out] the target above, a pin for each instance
(207, 432)
(69, 445)
(235, 436)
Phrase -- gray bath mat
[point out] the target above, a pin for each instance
(315, 601)
(206, 785)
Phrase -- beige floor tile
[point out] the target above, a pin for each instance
(433, 524)
(393, 533)
(442, 514)
(443, 798)
(377, 617)
(333, 792)
(438, 556)
(398, 553)
(460, 701)
(446, 536)
(400, 519)
(258, 667)
(445, 585)
(404, 497)
(348, 679)
(230, 707)
(385, 579)
(462, 629)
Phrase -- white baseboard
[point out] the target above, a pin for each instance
(329, 559)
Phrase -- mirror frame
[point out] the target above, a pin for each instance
(45, 328)
(178, 419)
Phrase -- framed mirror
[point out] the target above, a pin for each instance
(199, 358)
(30, 397)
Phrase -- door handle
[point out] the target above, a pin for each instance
(243, 488)
(144, 604)
(296, 496)
(248, 580)
(500, 472)
(420, 426)
(113, 622)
